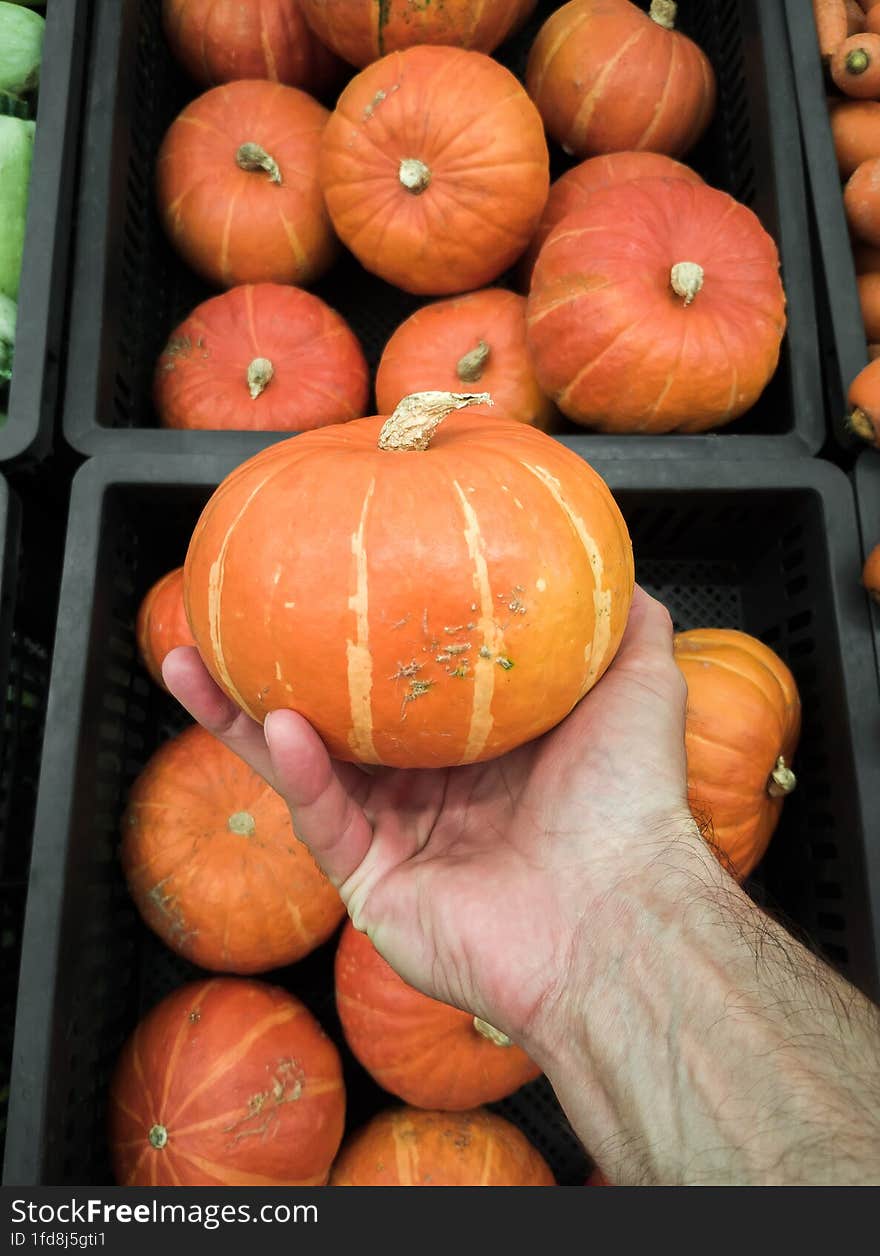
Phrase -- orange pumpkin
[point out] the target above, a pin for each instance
(419, 607)
(657, 307)
(261, 357)
(478, 340)
(742, 729)
(361, 31)
(161, 623)
(226, 1083)
(571, 191)
(217, 42)
(441, 208)
(237, 184)
(606, 76)
(861, 199)
(411, 1147)
(214, 866)
(871, 573)
(864, 403)
(425, 1052)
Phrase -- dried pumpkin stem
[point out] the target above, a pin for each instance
(857, 61)
(782, 780)
(664, 13)
(490, 1032)
(259, 373)
(859, 423)
(418, 416)
(414, 175)
(242, 823)
(686, 279)
(470, 365)
(158, 1136)
(253, 157)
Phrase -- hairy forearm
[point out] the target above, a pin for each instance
(705, 1045)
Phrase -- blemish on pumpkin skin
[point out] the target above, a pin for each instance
(195, 1016)
(416, 689)
(401, 622)
(286, 1085)
(405, 670)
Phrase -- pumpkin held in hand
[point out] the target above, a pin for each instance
(237, 185)
(474, 341)
(606, 76)
(261, 357)
(214, 866)
(743, 724)
(217, 42)
(437, 208)
(425, 1052)
(161, 623)
(657, 307)
(411, 1147)
(226, 1083)
(427, 597)
(363, 30)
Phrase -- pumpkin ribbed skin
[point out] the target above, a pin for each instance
(240, 1082)
(442, 208)
(476, 341)
(617, 348)
(411, 1147)
(419, 608)
(571, 191)
(425, 1052)
(861, 199)
(218, 41)
(235, 225)
(214, 866)
(864, 403)
(607, 77)
(161, 623)
(361, 31)
(261, 357)
(743, 713)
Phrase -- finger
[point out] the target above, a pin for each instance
(649, 630)
(323, 795)
(190, 682)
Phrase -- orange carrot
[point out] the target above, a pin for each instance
(831, 25)
(864, 403)
(855, 126)
(855, 17)
(861, 200)
(855, 66)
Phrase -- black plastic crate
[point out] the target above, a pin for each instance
(839, 314)
(130, 290)
(771, 548)
(30, 552)
(27, 408)
(866, 478)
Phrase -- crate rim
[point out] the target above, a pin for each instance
(87, 436)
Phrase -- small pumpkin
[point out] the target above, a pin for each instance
(217, 42)
(855, 66)
(214, 866)
(237, 185)
(741, 733)
(411, 1147)
(864, 403)
(869, 299)
(832, 25)
(606, 76)
(226, 1082)
(261, 357)
(161, 623)
(657, 307)
(855, 127)
(571, 191)
(861, 198)
(418, 608)
(425, 1052)
(474, 341)
(442, 208)
(361, 31)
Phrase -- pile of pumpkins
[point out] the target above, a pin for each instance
(434, 586)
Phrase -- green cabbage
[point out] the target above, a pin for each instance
(8, 312)
(16, 150)
(21, 48)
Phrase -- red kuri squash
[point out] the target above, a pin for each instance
(437, 208)
(226, 1083)
(217, 41)
(423, 600)
(657, 307)
(606, 76)
(474, 341)
(425, 1052)
(237, 183)
(161, 623)
(411, 1147)
(743, 724)
(261, 357)
(214, 866)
